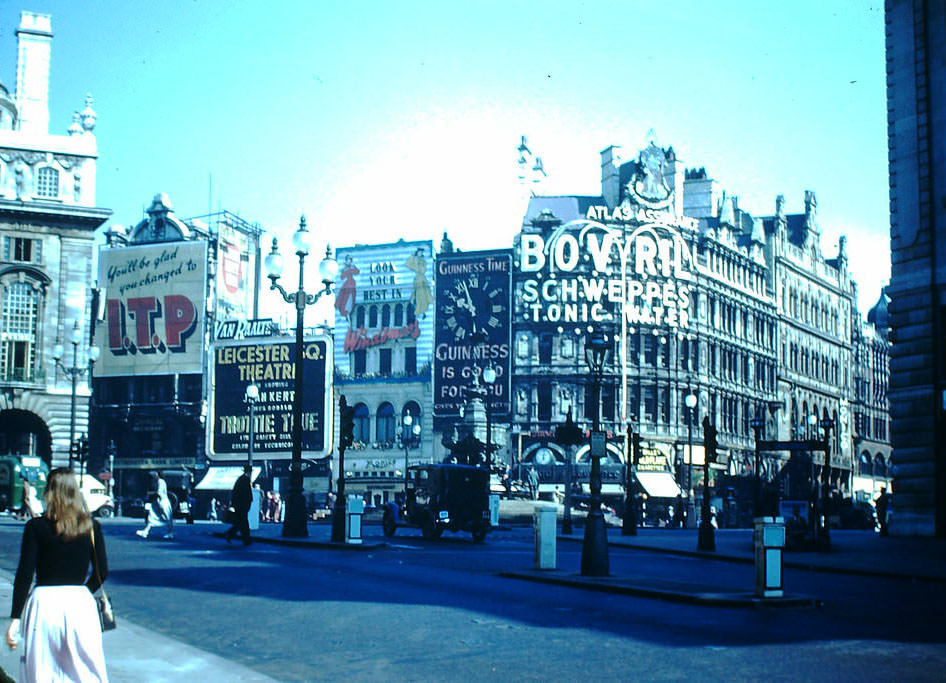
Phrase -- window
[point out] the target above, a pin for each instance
(18, 322)
(362, 423)
(47, 182)
(545, 402)
(372, 316)
(385, 359)
(385, 423)
(385, 316)
(359, 316)
(410, 360)
(360, 358)
(545, 349)
(410, 314)
(398, 315)
(22, 249)
(607, 402)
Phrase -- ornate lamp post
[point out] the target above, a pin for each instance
(410, 438)
(690, 400)
(594, 549)
(251, 397)
(827, 424)
(489, 377)
(74, 373)
(295, 524)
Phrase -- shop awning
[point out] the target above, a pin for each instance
(659, 484)
(224, 477)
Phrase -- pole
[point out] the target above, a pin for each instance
(74, 375)
(825, 485)
(706, 538)
(567, 513)
(489, 431)
(757, 498)
(249, 450)
(688, 511)
(295, 525)
(594, 551)
(629, 525)
(341, 503)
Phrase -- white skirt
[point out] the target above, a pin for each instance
(62, 637)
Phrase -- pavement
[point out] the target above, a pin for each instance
(134, 653)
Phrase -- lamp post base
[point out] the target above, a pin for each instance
(629, 525)
(594, 547)
(707, 537)
(295, 525)
(338, 520)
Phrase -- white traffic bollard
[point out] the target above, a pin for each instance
(769, 540)
(493, 510)
(546, 529)
(353, 512)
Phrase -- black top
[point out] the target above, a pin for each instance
(242, 496)
(56, 562)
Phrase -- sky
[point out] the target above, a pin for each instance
(383, 120)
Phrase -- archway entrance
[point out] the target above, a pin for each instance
(24, 433)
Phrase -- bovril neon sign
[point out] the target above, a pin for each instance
(586, 271)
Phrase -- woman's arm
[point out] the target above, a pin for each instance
(99, 558)
(29, 550)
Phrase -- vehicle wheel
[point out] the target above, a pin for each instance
(388, 524)
(430, 529)
(105, 512)
(479, 534)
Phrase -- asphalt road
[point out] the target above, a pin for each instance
(436, 610)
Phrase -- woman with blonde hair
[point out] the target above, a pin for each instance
(62, 637)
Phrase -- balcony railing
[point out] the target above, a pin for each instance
(25, 375)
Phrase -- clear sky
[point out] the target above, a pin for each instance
(382, 120)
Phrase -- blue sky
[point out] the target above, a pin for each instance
(382, 120)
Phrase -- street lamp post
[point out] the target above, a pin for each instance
(757, 423)
(827, 424)
(690, 400)
(410, 437)
(295, 523)
(629, 524)
(568, 436)
(489, 378)
(74, 373)
(594, 549)
(812, 497)
(251, 397)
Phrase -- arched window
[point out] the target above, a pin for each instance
(384, 423)
(880, 467)
(47, 182)
(385, 316)
(372, 316)
(410, 314)
(19, 317)
(398, 315)
(864, 465)
(413, 409)
(362, 420)
(359, 316)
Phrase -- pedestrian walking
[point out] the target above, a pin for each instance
(60, 631)
(212, 511)
(881, 504)
(240, 500)
(159, 510)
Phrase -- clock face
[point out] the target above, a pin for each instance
(475, 305)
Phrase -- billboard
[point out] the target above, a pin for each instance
(384, 295)
(473, 302)
(154, 305)
(270, 365)
(235, 271)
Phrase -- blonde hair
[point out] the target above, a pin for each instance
(65, 505)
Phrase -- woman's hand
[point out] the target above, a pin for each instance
(13, 633)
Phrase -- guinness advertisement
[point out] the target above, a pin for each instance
(472, 330)
(270, 365)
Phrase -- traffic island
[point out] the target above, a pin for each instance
(673, 591)
(307, 543)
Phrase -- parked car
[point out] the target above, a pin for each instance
(96, 496)
(442, 497)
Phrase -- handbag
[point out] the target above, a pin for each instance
(103, 603)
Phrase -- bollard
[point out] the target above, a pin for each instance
(545, 535)
(354, 510)
(769, 540)
(493, 510)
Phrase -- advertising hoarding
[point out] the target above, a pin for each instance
(235, 272)
(384, 294)
(270, 365)
(154, 307)
(473, 329)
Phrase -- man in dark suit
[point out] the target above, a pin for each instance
(240, 500)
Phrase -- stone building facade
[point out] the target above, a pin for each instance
(916, 133)
(48, 215)
(743, 313)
